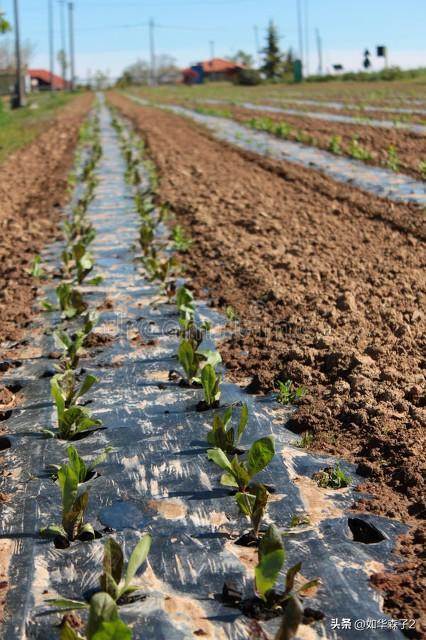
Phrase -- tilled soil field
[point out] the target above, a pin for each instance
(328, 286)
(32, 188)
(409, 147)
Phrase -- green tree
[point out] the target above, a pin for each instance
(241, 57)
(4, 24)
(272, 66)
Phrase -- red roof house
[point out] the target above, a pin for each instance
(40, 79)
(215, 69)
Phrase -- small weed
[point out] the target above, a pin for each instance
(305, 441)
(36, 270)
(180, 240)
(231, 314)
(335, 145)
(357, 151)
(288, 393)
(392, 162)
(299, 520)
(332, 477)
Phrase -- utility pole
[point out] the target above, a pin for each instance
(51, 42)
(211, 49)
(256, 40)
(152, 50)
(71, 36)
(300, 29)
(319, 48)
(19, 97)
(63, 40)
(307, 35)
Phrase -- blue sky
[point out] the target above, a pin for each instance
(111, 34)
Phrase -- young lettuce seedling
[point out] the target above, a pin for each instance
(227, 439)
(103, 624)
(253, 506)
(72, 345)
(114, 581)
(240, 473)
(210, 381)
(192, 359)
(70, 301)
(84, 264)
(75, 498)
(185, 303)
(84, 471)
(66, 384)
(271, 557)
(74, 421)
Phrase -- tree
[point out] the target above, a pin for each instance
(7, 53)
(136, 73)
(241, 57)
(166, 70)
(272, 55)
(4, 24)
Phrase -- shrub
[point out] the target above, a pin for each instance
(248, 77)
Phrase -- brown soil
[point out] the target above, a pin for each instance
(33, 187)
(410, 147)
(328, 284)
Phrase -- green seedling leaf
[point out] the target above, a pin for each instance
(271, 556)
(102, 609)
(67, 605)
(260, 454)
(115, 630)
(211, 384)
(113, 561)
(259, 507)
(138, 557)
(227, 439)
(220, 458)
(36, 270)
(68, 633)
(52, 531)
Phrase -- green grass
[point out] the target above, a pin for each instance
(19, 127)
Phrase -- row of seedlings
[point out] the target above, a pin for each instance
(200, 371)
(285, 131)
(74, 421)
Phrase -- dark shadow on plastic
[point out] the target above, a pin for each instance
(365, 532)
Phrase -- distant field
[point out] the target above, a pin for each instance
(19, 127)
(364, 92)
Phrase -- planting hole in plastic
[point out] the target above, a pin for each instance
(5, 443)
(364, 532)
